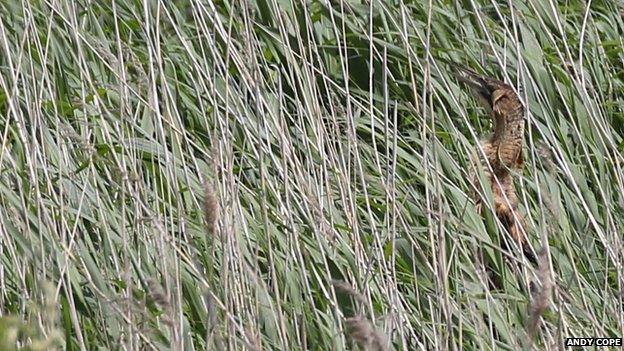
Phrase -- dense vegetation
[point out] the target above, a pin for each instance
(294, 175)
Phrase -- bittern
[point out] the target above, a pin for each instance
(502, 150)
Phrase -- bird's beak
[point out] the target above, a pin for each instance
(482, 88)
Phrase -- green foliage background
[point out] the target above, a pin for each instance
(260, 174)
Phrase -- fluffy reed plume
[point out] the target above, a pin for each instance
(155, 293)
(211, 215)
(363, 332)
(546, 156)
(542, 297)
(348, 289)
(211, 209)
(254, 343)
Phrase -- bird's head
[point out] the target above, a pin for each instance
(487, 90)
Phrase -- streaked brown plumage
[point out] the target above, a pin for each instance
(503, 149)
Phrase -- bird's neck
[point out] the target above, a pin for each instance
(507, 129)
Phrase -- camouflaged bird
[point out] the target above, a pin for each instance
(503, 150)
